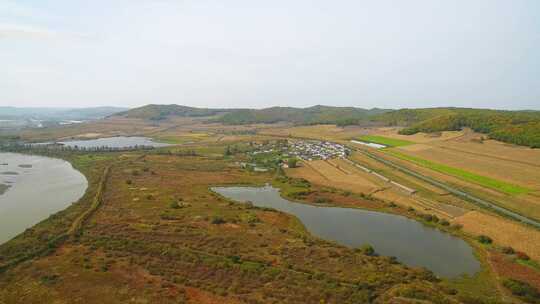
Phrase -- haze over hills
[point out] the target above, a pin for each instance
(44, 113)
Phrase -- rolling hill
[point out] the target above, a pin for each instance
(161, 112)
(516, 127)
(312, 115)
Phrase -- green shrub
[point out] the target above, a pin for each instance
(523, 290)
(508, 250)
(217, 220)
(484, 239)
(367, 250)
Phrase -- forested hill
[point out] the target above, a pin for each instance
(517, 127)
(311, 115)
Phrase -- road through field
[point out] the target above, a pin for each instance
(453, 190)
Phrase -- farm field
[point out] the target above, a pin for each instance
(321, 132)
(482, 180)
(392, 132)
(516, 172)
(523, 204)
(325, 173)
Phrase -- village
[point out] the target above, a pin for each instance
(285, 153)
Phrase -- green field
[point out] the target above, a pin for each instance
(390, 142)
(462, 174)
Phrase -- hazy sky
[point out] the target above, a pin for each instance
(246, 53)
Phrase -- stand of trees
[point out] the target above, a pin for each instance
(516, 127)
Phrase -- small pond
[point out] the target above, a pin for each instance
(391, 235)
(114, 142)
(32, 188)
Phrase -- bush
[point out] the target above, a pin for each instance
(321, 200)
(292, 162)
(456, 226)
(484, 239)
(129, 182)
(367, 250)
(445, 223)
(236, 259)
(217, 220)
(508, 250)
(522, 256)
(174, 205)
(523, 290)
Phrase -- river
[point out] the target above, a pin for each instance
(34, 187)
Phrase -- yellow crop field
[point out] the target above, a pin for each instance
(323, 173)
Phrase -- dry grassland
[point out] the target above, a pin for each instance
(502, 231)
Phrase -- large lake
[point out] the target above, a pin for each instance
(114, 142)
(391, 235)
(34, 187)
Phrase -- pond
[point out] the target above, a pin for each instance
(409, 241)
(114, 142)
(35, 188)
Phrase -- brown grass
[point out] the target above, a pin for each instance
(504, 232)
(506, 267)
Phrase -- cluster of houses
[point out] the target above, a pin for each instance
(303, 149)
(314, 150)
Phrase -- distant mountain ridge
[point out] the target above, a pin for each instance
(58, 113)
